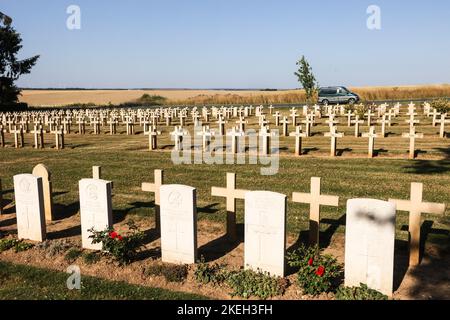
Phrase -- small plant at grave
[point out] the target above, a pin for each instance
(53, 248)
(441, 105)
(209, 273)
(90, 257)
(359, 293)
(18, 245)
(171, 272)
(248, 283)
(361, 109)
(123, 248)
(349, 107)
(317, 272)
(72, 254)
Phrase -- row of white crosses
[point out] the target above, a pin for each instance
(265, 221)
(98, 118)
(38, 134)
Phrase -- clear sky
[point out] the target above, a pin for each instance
(232, 43)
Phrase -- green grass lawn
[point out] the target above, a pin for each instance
(31, 283)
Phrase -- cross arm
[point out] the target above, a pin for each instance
(148, 187)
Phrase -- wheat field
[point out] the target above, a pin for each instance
(185, 96)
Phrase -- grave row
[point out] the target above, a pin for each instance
(369, 232)
(60, 124)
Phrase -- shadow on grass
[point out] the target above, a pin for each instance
(308, 150)
(62, 211)
(377, 152)
(431, 279)
(8, 222)
(436, 268)
(134, 208)
(221, 246)
(431, 166)
(70, 232)
(210, 208)
(340, 152)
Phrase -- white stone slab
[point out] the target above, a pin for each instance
(95, 209)
(178, 223)
(369, 244)
(265, 232)
(30, 210)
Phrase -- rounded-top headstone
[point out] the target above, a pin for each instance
(41, 170)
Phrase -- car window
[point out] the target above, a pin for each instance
(327, 91)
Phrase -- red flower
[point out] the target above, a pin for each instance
(320, 271)
(310, 261)
(119, 237)
(113, 234)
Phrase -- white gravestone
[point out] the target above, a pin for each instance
(265, 232)
(369, 244)
(95, 209)
(30, 212)
(178, 224)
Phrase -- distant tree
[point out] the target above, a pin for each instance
(10, 67)
(306, 79)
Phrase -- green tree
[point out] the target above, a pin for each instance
(306, 79)
(11, 68)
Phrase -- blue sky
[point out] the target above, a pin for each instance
(231, 43)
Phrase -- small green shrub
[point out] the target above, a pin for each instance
(171, 272)
(123, 248)
(361, 110)
(18, 245)
(55, 247)
(151, 100)
(441, 105)
(209, 273)
(90, 257)
(359, 293)
(72, 254)
(317, 272)
(248, 283)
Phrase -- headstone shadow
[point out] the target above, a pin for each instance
(61, 211)
(78, 145)
(378, 152)
(340, 152)
(308, 150)
(9, 207)
(66, 233)
(221, 246)
(401, 261)
(431, 166)
(8, 191)
(326, 235)
(55, 194)
(136, 207)
(8, 222)
(210, 208)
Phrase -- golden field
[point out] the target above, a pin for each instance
(185, 96)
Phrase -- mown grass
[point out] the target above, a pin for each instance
(126, 161)
(25, 282)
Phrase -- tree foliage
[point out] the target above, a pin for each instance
(306, 78)
(11, 68)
